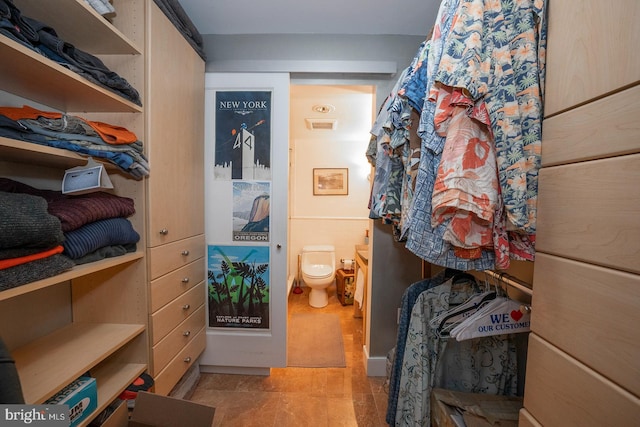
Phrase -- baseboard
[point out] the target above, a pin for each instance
(236, 370)
(187, 384)
(290, 282)
(374, 366)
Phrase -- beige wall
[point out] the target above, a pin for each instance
(341, 221)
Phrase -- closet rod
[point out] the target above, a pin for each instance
(511, 281)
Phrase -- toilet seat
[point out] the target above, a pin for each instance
(318, 271)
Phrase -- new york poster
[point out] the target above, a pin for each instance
(242, 135)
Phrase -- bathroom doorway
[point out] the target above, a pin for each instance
(328, 128)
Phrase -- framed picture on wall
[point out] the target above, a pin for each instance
(330, 181)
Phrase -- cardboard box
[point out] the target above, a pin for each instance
(153, 410)
(82, 398)
(474, 409)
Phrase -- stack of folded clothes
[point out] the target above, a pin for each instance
(115, 144)
(44, 40)
(31, 244)
(85, 228)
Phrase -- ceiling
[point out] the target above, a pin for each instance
(351, 105)
(381, 17)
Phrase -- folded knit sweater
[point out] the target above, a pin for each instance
(106, 232)
(26, 223)
(76, 211)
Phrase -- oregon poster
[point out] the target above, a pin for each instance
(243, 135)
(238, 286)
(251, 211)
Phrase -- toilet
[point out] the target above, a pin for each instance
(318, 267)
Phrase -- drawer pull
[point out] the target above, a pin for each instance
(185, 253)
(185, 280)
(186, 307)
(164, 231)
(186, 333)
(187, 359)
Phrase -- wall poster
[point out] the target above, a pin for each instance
(238, 286)
(243, 135)
(251, 211)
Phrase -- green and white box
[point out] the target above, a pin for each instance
(82, 398)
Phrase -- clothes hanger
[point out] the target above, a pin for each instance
(444, 322)
(501, 316)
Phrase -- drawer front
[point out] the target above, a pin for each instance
(584, 63)
(170, 286)
(589, 212)
(591, 313)
(166, 258)
(169, 377)
(560, 391)
(603, 128)
(177, 339)
(174, 313)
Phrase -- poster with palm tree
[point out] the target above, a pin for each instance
(238, 286)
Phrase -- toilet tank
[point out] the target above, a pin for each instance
(318, 255)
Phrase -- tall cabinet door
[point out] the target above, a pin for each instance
(175, 209)
(175, 103)
(246, 211)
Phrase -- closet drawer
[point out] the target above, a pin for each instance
(165, 258)
(589, 55)
(177, 339)
(603, 128)
(170, 316)
(589, 212)
(591, 313)
(561, 391)
(169, 377)
(170, 286)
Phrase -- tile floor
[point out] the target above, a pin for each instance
(309, 397)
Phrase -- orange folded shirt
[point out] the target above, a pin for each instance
(114, 135)
(12, 262)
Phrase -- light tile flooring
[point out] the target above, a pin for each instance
(309, 397)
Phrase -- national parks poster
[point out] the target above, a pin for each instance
(238, 286)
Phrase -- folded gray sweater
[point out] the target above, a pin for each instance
(26, 223)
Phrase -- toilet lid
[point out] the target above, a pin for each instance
(318, 270)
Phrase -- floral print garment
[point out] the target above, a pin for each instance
(496, 51)
(409, 298)
(466, 187)
(426, 241)
(387, 160)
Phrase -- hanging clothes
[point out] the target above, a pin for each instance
(427, 360)
(491, 55)
(408, 300)
(426, 241)
(496, 51)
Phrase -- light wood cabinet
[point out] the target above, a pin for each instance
(93, 317)
(582, 361)
(175, 220)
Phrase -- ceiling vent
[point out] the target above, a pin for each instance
(322, 124)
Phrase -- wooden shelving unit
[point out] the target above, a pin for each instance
(64, 355)
(77, 271)
(92, 318)
(33, 76)
(80, 25)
